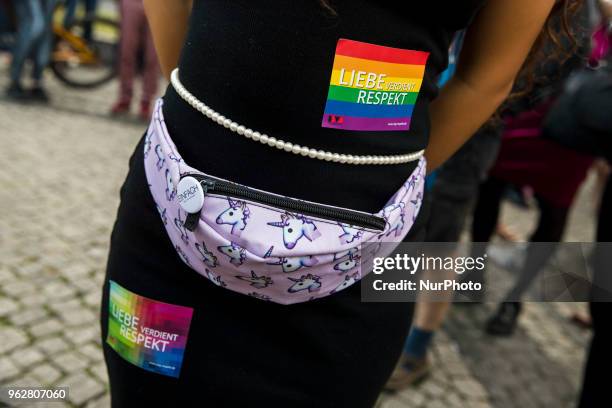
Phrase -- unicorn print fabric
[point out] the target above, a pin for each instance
(264, 245)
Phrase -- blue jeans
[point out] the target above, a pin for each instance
(34, 36)
(90, 8)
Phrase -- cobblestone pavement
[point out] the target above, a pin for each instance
(62, 167)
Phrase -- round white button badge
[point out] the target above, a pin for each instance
(190, 194)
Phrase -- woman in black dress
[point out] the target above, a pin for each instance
(267, 64)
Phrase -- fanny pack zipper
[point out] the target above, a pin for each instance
(233, 190)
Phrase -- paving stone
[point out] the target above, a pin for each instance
(103, 402)
(32, 299)
(58, 290)
(432, 388)
(25, 380)
(94, 299)
(70, 361)
(53, 404)
(18, 288)
(46, 327)
(53, 345)
(454, 399)
(92, 351)
(27, 315)
(392, 402)
(82, 388)
(65, 305)
(413, 397)
(78, 317)
(99, 370)
(25, 357)
(436, 403)
(11, 339)
(83, 334)
(7, 306)
(5, 274)
(85, 284)
(46, 374)
(7, 369)
(470, 388)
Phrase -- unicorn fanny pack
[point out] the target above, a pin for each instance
(261, 244)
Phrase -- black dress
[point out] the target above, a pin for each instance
(267, 64)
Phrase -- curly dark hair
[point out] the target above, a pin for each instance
(556, 43)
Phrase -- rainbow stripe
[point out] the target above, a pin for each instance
(147, 333)
(373, 87)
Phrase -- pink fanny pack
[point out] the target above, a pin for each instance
(262, 244)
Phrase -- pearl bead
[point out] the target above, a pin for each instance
(280, 144)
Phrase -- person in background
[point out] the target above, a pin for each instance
(527, 158)
(90, 8)
(451, 197)
(136, 36)
(452, 194)
(33, 39)
(596, 384)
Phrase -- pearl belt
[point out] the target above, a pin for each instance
(280, 144)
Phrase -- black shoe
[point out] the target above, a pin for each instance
(16, 92)
(503, 322)
(38, 94)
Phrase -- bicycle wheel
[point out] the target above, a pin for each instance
(85, 54)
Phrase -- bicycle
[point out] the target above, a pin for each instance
(82, 62)
(76, 61)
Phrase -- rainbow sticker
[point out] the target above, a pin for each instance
(373, 87)
(147, 333)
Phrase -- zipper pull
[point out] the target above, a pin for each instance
(190, 195)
